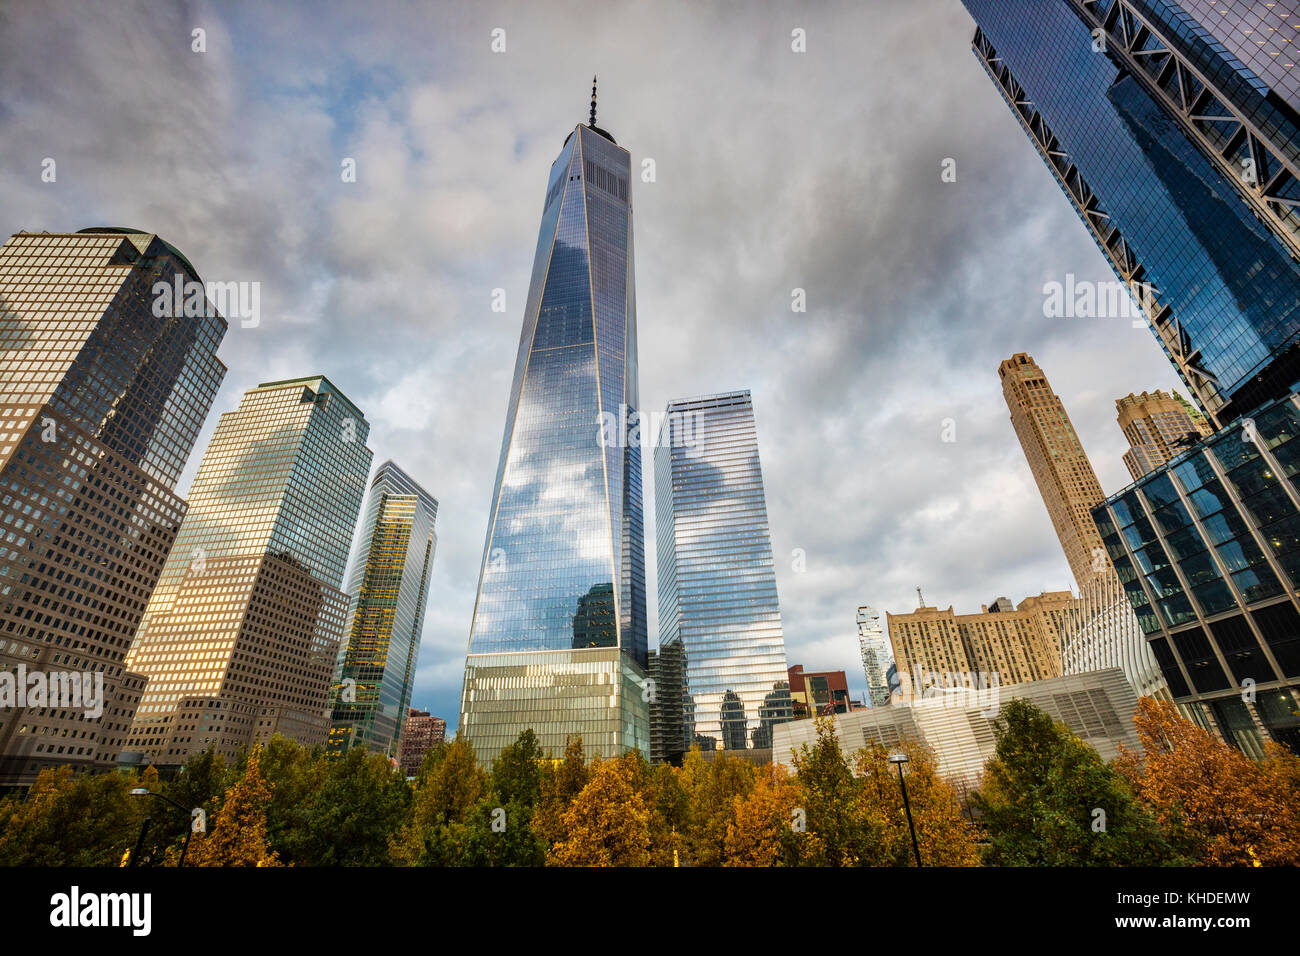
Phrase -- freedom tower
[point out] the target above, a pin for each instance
(558, 639)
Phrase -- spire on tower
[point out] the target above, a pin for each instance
(592, 124)
(918, 596)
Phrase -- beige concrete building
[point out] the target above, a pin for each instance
(101, 398)
(1016, 644)
(1157, 426)
(242, 635)
(1060, 466)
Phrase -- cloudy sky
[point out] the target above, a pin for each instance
(775, 170)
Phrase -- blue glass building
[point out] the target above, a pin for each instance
(719, 615)
(387, 592)
(1181, 158)
(558, 639)
(1207, 548)
(1172, 126)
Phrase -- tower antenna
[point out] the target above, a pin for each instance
(918, 595)
(592, 124)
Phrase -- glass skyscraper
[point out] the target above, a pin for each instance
(1208, 550)
(718, 607)
(241, 638)
(877, 655)
(388, 592)
(1172, 128)
(101, 399)
(558, 638)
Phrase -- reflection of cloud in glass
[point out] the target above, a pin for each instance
(718, 583)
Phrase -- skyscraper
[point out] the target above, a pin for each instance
(1207, 547)
(101, 399)
(1158, 426)
(668, 706)
(388, 592)
(718, 603)
(1060, 466)
(558, 638)
(877, 655)
(1171, 126)
(241, 637)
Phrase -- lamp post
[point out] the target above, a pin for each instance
(198, 820)
(898, 759)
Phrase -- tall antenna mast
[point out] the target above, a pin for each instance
(592, 124)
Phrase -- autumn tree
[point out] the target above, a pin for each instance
(71, 819)
(761, 829)
(711, 788)
(199, 783)
(670, 813)
(294, 774)
(608, 822)
(361, 802)
(839, 830)
(1048, 799)
(498, 830)
(238, 835)
(559, 786)
(1221, 807)
(943, 835)
(453, 784)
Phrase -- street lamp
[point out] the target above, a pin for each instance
(198, 822)
(898, 759)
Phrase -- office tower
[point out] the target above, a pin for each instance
(100, 403)
(558, 638)
(668, 737)
(818, 693)
(1101, 631)
(241, 637)
(717, 578)
(876, 656)
(1171, 126)
(1208, 550)
(1060, 466)
(1158, 426)
(388, 592)
(937, 648)
(1097, 707)
(422, 733)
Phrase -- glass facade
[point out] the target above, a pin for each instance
(241, 637)
(100, 403)
(1181, 161)
(389, 589)
(1102, 631)
(1208, 550)
(558, 639)
(877, 655)
(718, 607)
